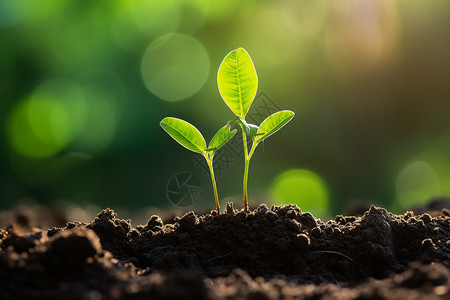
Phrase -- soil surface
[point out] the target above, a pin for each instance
(269, 253)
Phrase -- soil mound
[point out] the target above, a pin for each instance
(276, 253)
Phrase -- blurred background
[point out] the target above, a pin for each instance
(84, 84)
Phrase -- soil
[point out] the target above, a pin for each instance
(269, 253)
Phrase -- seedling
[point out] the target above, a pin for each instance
(238, 83)
(188, 136)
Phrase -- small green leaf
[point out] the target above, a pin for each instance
(184, 133)
(221, 138)
(234, 121)
(250, 129)
(237, 81)
(253, 130)
(273, 123)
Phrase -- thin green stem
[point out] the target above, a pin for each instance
(209, 160)
(246, 163)
(247, 157)
(245, 185)
(252, 150)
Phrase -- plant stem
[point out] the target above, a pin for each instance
(245, 185)
(213, 179)
(252, 150)
(246, 163)
(247, 157)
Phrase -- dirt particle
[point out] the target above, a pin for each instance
(51, 232)
(23, 242)
(408, 214)
(350, 219)
(340, 219)
(316, 232)
(187, 221)
(73, 247)
(301, 241)
(134, 233)
(230, 208)
(426, 245)
(153, 222)
(291, 214)
(282, 210)
(272, 216)
(337, 231)
(262, 209)
(425, 218)
(22, 220)
(308, 220)
(293, 225)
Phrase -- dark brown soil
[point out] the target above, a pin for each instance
(277, 253)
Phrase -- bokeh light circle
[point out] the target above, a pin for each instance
(301, 187)
(175, 66)
(60, 115)
(416, 184)
(39, 127)
(100, 123)
(360, 35)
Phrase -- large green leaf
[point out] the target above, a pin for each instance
(221, 138)
(237, 81)
(273, 123)
(184, 133)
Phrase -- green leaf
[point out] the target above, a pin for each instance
(250, 129)
(253, 130)
(237, 81)
(184, 133)
(221, 138)
(273, 123)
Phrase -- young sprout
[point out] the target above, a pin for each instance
(190, 137)
(238, 83)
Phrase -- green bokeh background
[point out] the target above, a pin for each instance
(84, 84)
